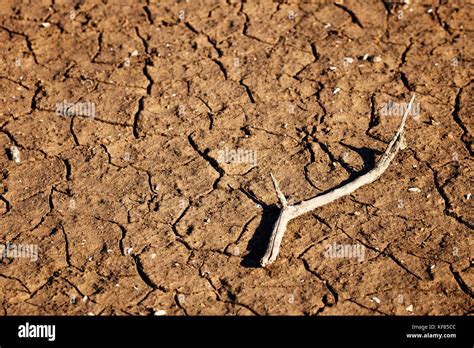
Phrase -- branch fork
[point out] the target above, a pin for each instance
(292, 211)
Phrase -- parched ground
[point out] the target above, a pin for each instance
(134, 212)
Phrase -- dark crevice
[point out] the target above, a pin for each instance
(27, 40)
(221, 67)
(447, 204)
(404, 54)
(205, 155)
(190, 27)
(67, 165)
(333, 292)
(399, 263)
(405, 81)
(73, 133)
(314, 51)
(354, 18)
(99, 47)
(210, 113)
(66, 246)
(18, 280)
(248, 91)
(7, 204)
(441, 23)
(175, 223)
(123, 232)
(35, 95)
(374, 115)
(148, 15)
(50, 199)
(148, 62)
(365, 307)
(462, 284)
(465, 136)
(139, 267)
(144, 42)
(136, 117)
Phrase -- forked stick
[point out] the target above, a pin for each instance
(289, 212)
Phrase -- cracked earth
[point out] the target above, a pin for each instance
(134, 213)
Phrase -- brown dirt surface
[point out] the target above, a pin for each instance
(135, 211)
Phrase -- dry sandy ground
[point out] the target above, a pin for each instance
(138, 208)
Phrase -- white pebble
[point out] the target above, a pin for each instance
(348, 60)
(45, 24)
(409, 308)
(468, 196)
(134, 53)
(160, 312)
(336, 91)
(128, 251)
(15, 154)
(376, 299)
(414, 189)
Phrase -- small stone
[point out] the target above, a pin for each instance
(468, 196)
(377, 59)
(376, 300)
(134, 53)
(46, 24)
(15, 154)
(348, 60)
(414, 189)
(336, 91)
(128, 251)
(160, 312)
(409, 308)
